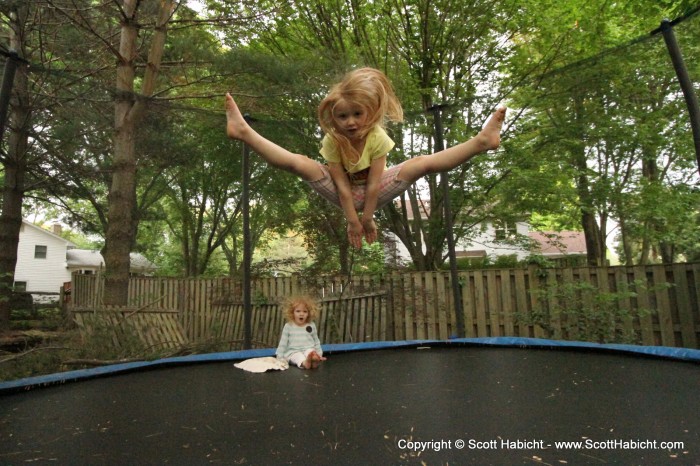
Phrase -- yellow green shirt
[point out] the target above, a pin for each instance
(378, 144)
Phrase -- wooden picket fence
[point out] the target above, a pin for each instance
(648, 305)
(156, 329)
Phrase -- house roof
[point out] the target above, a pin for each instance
(424, 206)
(47, 232)
(87, 258)
(559, 243)
(84, 258)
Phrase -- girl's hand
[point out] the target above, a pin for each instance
(355, 232)
(370, 230)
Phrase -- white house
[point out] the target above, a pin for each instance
(87, 261)
(41, 260)
(45, 260)
(494, 238)
(560, 245)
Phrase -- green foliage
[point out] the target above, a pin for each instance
(607, 124)
(597, 123)
(44, 318)
(586, 313)
(501, 262)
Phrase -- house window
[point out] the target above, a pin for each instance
(505, 231)
(39, 252)
(20, 286)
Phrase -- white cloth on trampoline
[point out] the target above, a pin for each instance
(259, 365)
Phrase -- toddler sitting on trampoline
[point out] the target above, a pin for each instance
(299, 344)
(355, 146)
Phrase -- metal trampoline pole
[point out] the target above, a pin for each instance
(691, 98)
(247, 253)
(436, 110)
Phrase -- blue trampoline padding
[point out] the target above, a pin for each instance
(681, 354)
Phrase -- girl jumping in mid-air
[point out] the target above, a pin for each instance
(299, 343)
(355, 146)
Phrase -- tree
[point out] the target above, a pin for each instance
(130, 108)
(429, 51)
(449, 60)
(15, 159)
(604, 103)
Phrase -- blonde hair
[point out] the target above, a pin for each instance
(368, 88)
(309, 303)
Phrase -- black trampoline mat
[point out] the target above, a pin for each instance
(508, 406)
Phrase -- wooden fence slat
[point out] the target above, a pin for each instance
(663, 306)
(431, 305)
(494, 310)
(521, 303)
(480, 304)
(383, 320)
(622, 285)
(507, 304)
(553, 306)
(645, 319)
(535, 301)
(409, 308)
(419, 312)
(685, 312)
(468, 305)
(445, 311)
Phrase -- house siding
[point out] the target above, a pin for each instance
(41, 275)
(483, 242)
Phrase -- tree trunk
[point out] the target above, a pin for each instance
(129, 110)
(668, 252)
(121, 226)
(15, 165)
(591, 231)
(626, 246)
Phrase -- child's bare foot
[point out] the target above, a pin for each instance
(313, 360)
(309, 363)
(236, 126)
(490, 135)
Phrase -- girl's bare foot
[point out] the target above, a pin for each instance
(236, 126)
(490, 135)
(313, 360)
(307, 362)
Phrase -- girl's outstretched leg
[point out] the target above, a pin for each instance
(489, 138)
(238, 128)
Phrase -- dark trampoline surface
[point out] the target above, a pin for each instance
(368, 407)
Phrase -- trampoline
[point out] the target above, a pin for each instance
(468, 401)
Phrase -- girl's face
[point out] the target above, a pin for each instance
(301, 314)
(350, 119)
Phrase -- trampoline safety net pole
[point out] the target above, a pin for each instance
(691, 98)
(454, 275)
(247, 253)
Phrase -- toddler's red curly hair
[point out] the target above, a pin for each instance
(309, 303)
